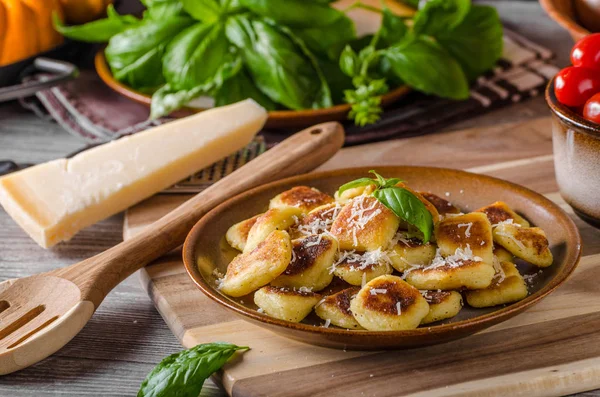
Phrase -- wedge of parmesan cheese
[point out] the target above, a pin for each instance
(55, 200)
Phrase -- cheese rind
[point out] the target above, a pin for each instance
(54, 200)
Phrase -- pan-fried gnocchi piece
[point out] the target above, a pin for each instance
(359, 268)
(527, 243)
(442, 305)
(387, 303)
(237, 235)
(303, 197)
(336, 309)
(364, 224)
(501, 212)
(503, 255)
(251, 270)
(318, 220)
(508, 286)
(286, 304)
(349, 194)
(273, 219)
(457, 274)
(472, 232)
(443, 207)
(409, 252)
(311, 259)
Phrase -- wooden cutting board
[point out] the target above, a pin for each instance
(552, 349)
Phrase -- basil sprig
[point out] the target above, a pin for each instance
(399, 200)
(183, 374)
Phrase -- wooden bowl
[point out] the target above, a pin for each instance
(277, 118)
(205, 250)
(565, 14)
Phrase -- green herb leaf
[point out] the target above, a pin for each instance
(407, 207)
(328, 40)
(207, 11)
(295, 13)
(427, 67)
(477, 42)
(279, 63)
(241, 87)
(392, 30)
(160, 9)
(194, 56)
(437, 16)
(183, 374)
(169, 98)
(98, 31)
(356, 183)
(337, 81)
(349, 62)
(380, 180)
(135, 55)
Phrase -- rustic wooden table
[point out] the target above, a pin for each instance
(127, 337)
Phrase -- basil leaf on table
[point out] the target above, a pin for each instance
(427, 67)
(407, 207)
(135, 55)
(98, 31)
(437, 16)
(477, 42)
(203, 10)
(183, 374)
(195, 55)
(169, 98)
(280, 67)
(328, 40)
(240, 87)
(294, 13)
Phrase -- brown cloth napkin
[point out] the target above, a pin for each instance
(90, 110)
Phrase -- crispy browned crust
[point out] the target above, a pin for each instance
(342, 299)
(321, 213)
(395, 292)
(305, 198)
(538, 241)
(443, 206)
(341, 228)
(448, 230)
(446, 268)
(347, 264)
(436, 297)
(245, 226)
(497, 212)
(288, 291)
(306, 256)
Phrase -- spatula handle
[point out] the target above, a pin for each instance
(300, 153)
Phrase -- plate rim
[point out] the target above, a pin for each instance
(473, 324)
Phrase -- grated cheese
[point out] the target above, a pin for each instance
(305, 289)
(358, 220)
(260, 310)
(399, 308)
(313, 243)
(455, 260)
(375, 291)
(513, 238)
(364, 280)
(322, 223)
(499, 276)
(506, 222)
(468, 228)
(326, 325)
(363, 260)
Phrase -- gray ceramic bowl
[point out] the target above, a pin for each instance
(576, 144)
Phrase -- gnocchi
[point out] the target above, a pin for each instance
(359, 264)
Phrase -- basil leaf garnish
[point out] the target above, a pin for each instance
(183, 374)
(408, 207)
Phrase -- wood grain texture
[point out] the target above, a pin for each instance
(542, 351)
(126, 337)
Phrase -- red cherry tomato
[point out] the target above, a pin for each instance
(586, 52)
(575, 85)
(591, 110)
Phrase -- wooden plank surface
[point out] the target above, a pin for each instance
(103, 359)
(546, 350)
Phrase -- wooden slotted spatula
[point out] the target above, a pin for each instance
(40, 314)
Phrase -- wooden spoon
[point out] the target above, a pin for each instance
(40, 314)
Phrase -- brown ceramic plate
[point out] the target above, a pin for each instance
(277, 118)
(205, 250)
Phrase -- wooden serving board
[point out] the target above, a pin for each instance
(552, 349)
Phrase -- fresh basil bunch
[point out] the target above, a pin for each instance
(294, 54)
